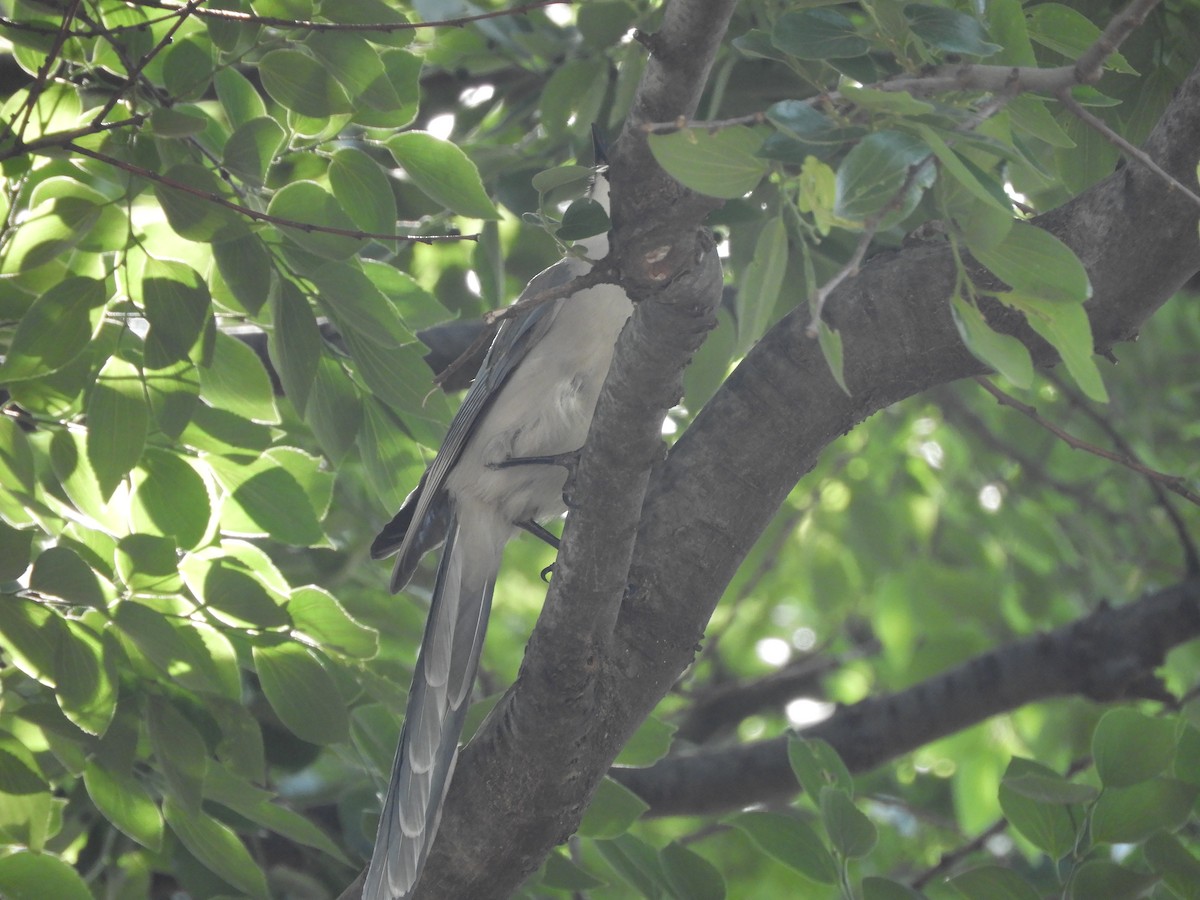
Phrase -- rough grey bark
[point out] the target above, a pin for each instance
(1109, 654)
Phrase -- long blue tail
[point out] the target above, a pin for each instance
(433, 722)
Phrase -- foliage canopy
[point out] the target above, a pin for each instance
(224, 226)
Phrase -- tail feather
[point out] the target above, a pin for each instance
(433, 723)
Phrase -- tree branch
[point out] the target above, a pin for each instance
(383, 27)
(306, 227)
(726, 476)
(1175, 483)
(1110, 654)
(520, 787)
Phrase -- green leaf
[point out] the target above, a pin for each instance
(1070, 33)
(217, 847)
(308, 203)
(876, 888)
(1180, 870)
(31, 635)
(1033, 261)
(1006, 21)
(649, 743)
(393, 99)
(583, 218)
(1129, 815)
(302, 693)
(252, 148)
(265, 500)
(19, 772)
(1129, 747)
(559, 873)
(247, 270)
(179, 121)
(723, 164)
(147, 564)
(388, 456)
(123, 801)
(16, 457)
(55, 330)
(358, 307)
(235, 381)
(171, 499)
(117, 419)
(897, 103)
(318, 615)
(16, 545)
(334, 409)
(949, 30)
(872, 175)
(957, 168)
(187, 68)
(87, 691)
(255, 804)
(298, 82)
(637, 863)
(349, 58)
(181, 752)
(25, 875)
(176, 301)
(1099, 879)
(444, 173)
(1067, 329)
(993, 883)
(817, 765)
(59, 572)
(232, 592)
(173, 393)
(831, 348)
(295, 345)
(49, 230)
(762, 283)
(1049, 826)
(191, 213)
(613, 809)
(183, 651)
(690, 874)
(852, 834)
(238, 97)
(1052, 789)
(1003, 352)
(791, 841)
(803, 131)
(360, 185)
(818, 34)
(571, 98)
(1029, 113)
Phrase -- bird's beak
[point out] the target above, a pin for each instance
(599, 147)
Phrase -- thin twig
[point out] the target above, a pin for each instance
(134, 73)
(306, 227)
(1191, 556)
(97, 31)
(459, 22)
(710, 125)
(1133, 152)
(850, 269)
(1090, 64)
(62, 138)
(1174, 483)
(43, 72)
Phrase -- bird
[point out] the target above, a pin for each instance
(501, 468)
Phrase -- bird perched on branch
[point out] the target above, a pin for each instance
(500, 469)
